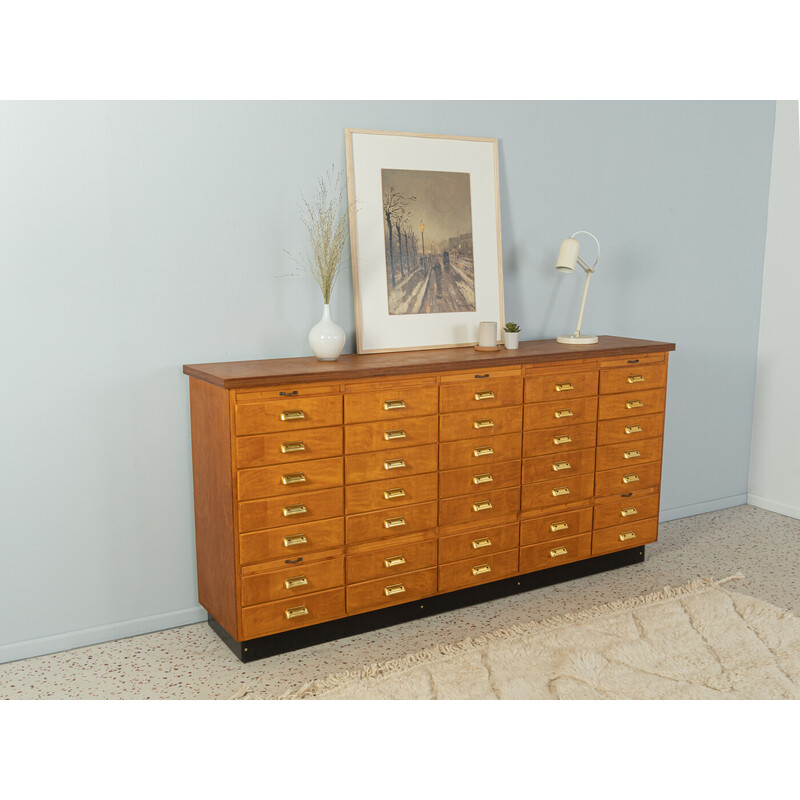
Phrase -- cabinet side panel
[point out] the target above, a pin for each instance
(213, 502)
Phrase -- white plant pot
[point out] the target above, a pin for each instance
(326, 337)
(511, 340)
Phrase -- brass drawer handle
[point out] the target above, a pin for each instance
(559, 526)
(560, 491)
(634, 404)
(481, 569)
(478, 479)
(564, 439)
(635, 378)
(290, 511)
(482, 451)
(484, 395)
(398, 588)
(389, 435)
(394, 561)
(628, 512)
(633, 429)
(484, 542)
(559, 465)
(293, 583)
(300, 611)
(631, 478)
(394, 463)
(392, 494)
(563, 412)
(394, 522)
(292, 447)
(558, 551)
(293, 541)
(564, 387)
(483, 505)
(289, 415)
(624, 537)
(293, 477)
(392, 405)
(482, 423)
(631, 454)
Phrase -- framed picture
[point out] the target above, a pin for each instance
(424, 238)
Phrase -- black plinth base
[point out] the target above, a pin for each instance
(264, 646)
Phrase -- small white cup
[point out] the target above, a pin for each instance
(487, 334)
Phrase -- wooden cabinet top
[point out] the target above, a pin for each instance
(271, 372)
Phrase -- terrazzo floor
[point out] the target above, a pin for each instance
(191, 663)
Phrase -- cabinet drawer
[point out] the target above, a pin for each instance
(560, 386)
(611, 431)
(382, 436)
(477, 425)
(281, 448)
(478, 543)
(622, 510)
(286, 615)
(390, 493)
(628, 479)
(541, 468)
(364, 467)
(390, 591)
(382, 524)
(620, 455)
(621, 537)
(283, 584)
(480, 394)
(477, 479)
(479, 508)
(480, 452)
(291, 542)
(642, 376)
(283, 479)
(290, 510)
(390, 560)
(557, 491)
(569, 411)
(555, 553)
(559, 440)
(631, 403)
(555, 525)
(391, 403)
(288, 415)
(478, 569)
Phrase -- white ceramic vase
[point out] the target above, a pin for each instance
(326, 337)
(511, 340)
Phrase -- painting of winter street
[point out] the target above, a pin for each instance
(427, 221)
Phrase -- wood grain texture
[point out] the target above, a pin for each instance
(291, 542)
(283, 479)
(643, 376)
(555, 525)
(372, 436)
(385, 403)
(391, 559)
(611, 431)
(257, 451)
(608, 540)
(266, 417)
(371, 526)
(476, 479)
(560, 413)
(563, 385)
(464, 424)
(474, 544)
(468, 510)
(292, 581)
(364, 467)
(625, 509)
(611, 456)
(480, 452)
(554, 553)
(542, 468)
(557, 491)
(631, 403)
(475, 394)
(408, 586)
(473, 572)
(277, 511)
(629, 478)
(386, 495)
(267, 618)
(562, 439)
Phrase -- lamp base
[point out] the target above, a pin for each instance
(577, 339)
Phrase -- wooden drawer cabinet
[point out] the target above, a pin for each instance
(344, 490)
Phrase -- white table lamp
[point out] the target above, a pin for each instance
(567, 259)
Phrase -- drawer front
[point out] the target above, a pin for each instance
(636, 376)
(628, 479)
(561, 386)
(390, 493)
(621, 537)
(291, 542)
(389, 591)
(479, 508)
(280, 448)
(290, 510)
(621, 455)
(382, 524)
(480, 394)
(559, 440)
(390, 560)
(624, 510)
(626, 361)
(365, 467)
(478, 569)
(277, 480)
(286, 615)
(631, 403)
(291, 414)
(555, 526)
(557, 491)
(554, 553)
(477, 479)
(391, 403)
(478, 425)
(569, 411)
(481, 452)
(542, 468)
(612, 431)
(478, 543)
(382, 436)
(284, 584)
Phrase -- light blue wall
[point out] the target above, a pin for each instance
(136, 237)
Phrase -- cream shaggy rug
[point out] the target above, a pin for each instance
(699, 641)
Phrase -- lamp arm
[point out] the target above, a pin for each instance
(589, 274)
(582, 263)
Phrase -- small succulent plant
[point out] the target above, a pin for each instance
(511, 327)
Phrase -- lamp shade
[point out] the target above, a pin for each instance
(568, 255)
